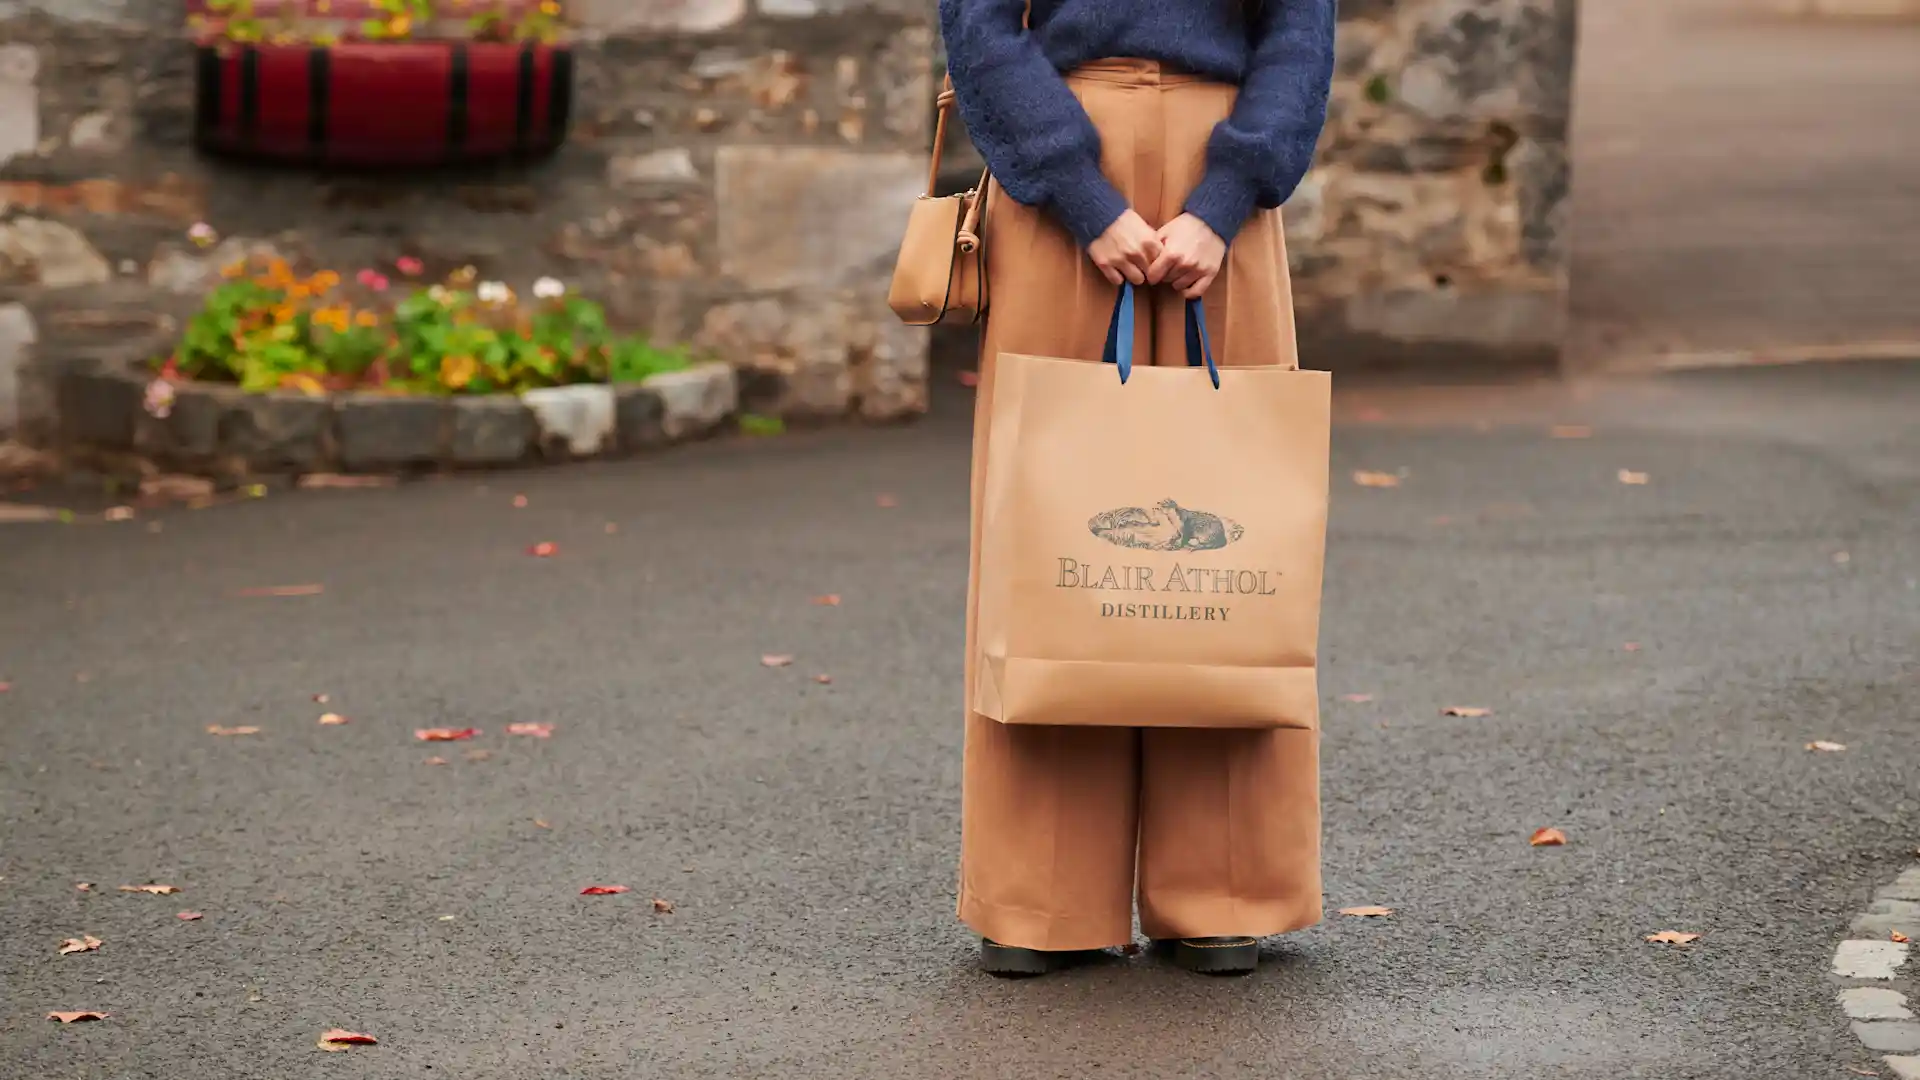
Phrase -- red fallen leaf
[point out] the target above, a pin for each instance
(321, 699)
(545, 549)
(339, 1039)
(519, 502)
(445, 734)
(1631, 646)
(5, 686)
(1357, 699)
(969, 378)
(1548, 838)
(1825, 747)
(1572, 431)
(829, 600)
(1367, 912)
(189, 916)
(216, 729)
(157, 890)
(1897, 937)
(1628, 476)
(538, 731)
(776, 660)
(603, 890)
(1672, 937)
(538, 824)
(84, 943)
(435, 761)
(284, 590)
(332, 719)
(823, 680)
(83, 886)
(886, 502)
(612, 528)
(662, 907)
(1366, 478)
(1465, 710)
(76, 1017)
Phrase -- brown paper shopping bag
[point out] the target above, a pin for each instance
(1153, 541)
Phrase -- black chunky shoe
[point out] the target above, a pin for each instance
(1216, 955)
(1009, 962)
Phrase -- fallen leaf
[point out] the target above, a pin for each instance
(612, 528)
(519, 502)
(156, 890)
(1357, 699)
(538, 824)
(886, 502)
(478, 755)
(332, 719)
(436, 760)
(321, 699)
(216, 729)
(1131, 948)
(83, 886)
(1466, 710)
(1572, 431)
(538, 731)
(23, 512)
(545, 549)
(776, 660)
(1841, 558)
(1672, 937)
(969, 378)
(1631, 646)
(5, 686)
(189, 916)
(1861, 1072)
(823, 680)
(1628, 476)
(603, 890)
(1548, 838)
(118, 513)
(1826, 747)
(285, 590)
(1897, 937)
(86, 943)
(340, 1039)
(77, 1017)
(173, 486)
(317, 481)
(1375, 479)
(1367, 912)
(829, 600)
(445, 734)
(662, 907)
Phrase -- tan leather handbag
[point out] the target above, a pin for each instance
(942, 273)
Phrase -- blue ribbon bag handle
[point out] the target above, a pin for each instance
(1120, 331)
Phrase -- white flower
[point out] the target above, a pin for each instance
(494, 292)
(158, 400)
(440, 295)
(549, 288)
(203, 235)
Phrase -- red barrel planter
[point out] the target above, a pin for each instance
(382, 105)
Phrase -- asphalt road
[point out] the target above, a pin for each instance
(806, 834)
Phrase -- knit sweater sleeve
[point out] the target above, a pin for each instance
(1258, 154)
(1036, 138)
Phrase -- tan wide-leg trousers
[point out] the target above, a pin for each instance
(1221, 827)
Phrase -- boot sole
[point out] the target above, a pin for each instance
(1236, 959)
(1006, 962)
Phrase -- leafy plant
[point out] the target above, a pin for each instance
(391, 20)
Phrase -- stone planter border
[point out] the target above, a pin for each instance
(217, 430)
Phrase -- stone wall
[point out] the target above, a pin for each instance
(1433, 227)
(737, 178)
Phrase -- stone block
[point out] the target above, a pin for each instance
(1904, 887)
(1869, 959)
(1891, 1037)
(815, 356)
(191, 429)
(494, 429)
(671, 166)
(97, 407)
(640, 414)
(385, 431)
(1885, 916)
(573, 421)
(277, 432)
(656, 16)
(35, 251)
(1904, 1068)
(17, 334)
(1874, 1003)
(1495, 317)
(697, 401)
(836, 218)
(19, 101)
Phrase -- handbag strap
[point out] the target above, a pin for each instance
(943, 105)
(1120, 333)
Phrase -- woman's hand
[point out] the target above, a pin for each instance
(1126, 249)
(1190, 256)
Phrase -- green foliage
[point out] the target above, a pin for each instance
(1378, 91)
(750, 424)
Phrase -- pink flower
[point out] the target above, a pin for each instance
(373, 279)
(409, 266)
(158, 400)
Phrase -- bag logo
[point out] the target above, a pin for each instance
(1164, 526)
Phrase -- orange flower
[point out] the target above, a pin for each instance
(457, 371)
(233, 270)
(401, 26)
(323, 281)
(366, 320)
(550, 7)
(333, 318)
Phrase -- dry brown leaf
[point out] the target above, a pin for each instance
(175, 486)
(156, 890)
(612, 528)
(436, 760)
(317, 481)
(545, 549)
(1825, 747)
(603, 890)
(216, 729)
(538, 731)
(445, 734)
(332, 719)
(1357, 699)
(76, 1017)
(118, 513)
(776, 660)
(1672, 937)
(1631, 646)
(84, 943)
(1857, 1071)
(539, 824)
(284, 590)
(1628, 476)
(1375, 479)
(519, 502)
(189, 916)
(83, 886)
(1466, 710)
(829, 600)
(969, 378)
(1572, 431)
(1841, 558)
(1548, 838)
(886, 502)
(321, 699)
(1897, 937)
(662, 907)
(823, 680)
(5, 686)
(340, 1039)
(1367, 912)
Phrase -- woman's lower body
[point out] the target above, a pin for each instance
(1217, 831)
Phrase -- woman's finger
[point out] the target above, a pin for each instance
(1134, 273)
(1161, 268)
(1113, 276)
(1184, 280)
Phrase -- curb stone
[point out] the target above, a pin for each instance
(1882, 1016)
(214, 429)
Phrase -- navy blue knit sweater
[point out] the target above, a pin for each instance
(1044, 150)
